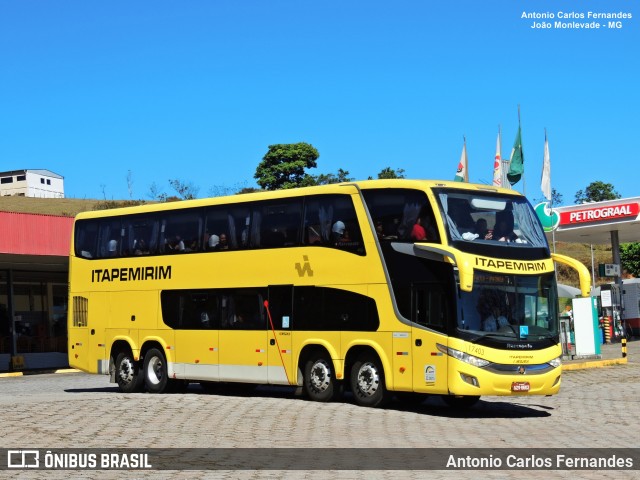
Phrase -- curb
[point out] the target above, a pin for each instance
(595, 364)
(38, 372)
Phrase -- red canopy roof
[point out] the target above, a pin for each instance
(32, 234)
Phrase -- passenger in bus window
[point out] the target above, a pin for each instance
(418, 233)
(192, 246)
(224, 244)
(482, 230)
(112, 248)
(141, 248)
(503, 230)
(177, 244)
(213, 243)
(379, 229)
(337, 232)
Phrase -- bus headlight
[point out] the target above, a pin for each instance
(464, 357)
(556, 362)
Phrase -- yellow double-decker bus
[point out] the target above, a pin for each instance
(377, 287)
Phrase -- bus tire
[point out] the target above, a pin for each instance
(319, 379)
(367, 381)
(461, 402)
(128, 375)
(155, 371)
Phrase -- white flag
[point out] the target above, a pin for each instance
(545, 183)
(497, 165)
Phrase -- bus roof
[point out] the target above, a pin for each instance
(293, 192)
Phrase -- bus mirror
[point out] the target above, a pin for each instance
(465, 268)
(583, 272)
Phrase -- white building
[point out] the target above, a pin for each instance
(32, 183)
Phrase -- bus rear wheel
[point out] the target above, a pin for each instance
(367, 382)
(319, 379)
(128, 375)
(155, 371)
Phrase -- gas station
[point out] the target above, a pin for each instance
(610, 222)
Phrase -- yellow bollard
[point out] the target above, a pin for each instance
(607, 332)
(624, 348)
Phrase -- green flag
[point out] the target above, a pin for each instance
(462, 175)
(516, 163)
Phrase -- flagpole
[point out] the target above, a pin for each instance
(466, 157)
(553, 230)
(505, 162)
(524, 182)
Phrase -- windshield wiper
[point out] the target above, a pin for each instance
(495, 335)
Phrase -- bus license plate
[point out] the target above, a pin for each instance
(520, 387)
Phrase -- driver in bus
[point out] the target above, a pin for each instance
(495, 321)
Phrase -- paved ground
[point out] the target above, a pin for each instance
(597, 407)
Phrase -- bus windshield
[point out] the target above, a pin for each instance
(472, 217)
(506, 308)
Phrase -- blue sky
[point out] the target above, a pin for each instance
(197, 90)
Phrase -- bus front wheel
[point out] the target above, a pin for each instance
(128, 375)
(155, 371)
(319, 379)
(367, 382)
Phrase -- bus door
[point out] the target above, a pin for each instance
(429, 314)
(196, 338)
(243, 336)
(279, 315)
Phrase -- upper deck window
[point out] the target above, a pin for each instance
(486, 218)
(401, 215)
(328, 220)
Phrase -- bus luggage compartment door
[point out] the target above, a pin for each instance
(429, 315)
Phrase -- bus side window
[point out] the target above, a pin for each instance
(243, 309)
(110, 239)
(86, 239)
(182, 231)
(396, 211)
(331, 220)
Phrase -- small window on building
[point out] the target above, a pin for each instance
(48, 181)
(42, 180)
(21, 178)
(6, 180)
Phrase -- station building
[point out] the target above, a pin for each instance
(34, 270)
(611, 222)
(32, 183)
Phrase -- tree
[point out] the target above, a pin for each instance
(283, 166)
(186, 191)
(630, 258)
(340, 177)
(556, 198)
(597, 192)
(387, 173)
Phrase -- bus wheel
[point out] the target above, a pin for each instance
(461, 401)
(155, 371)
(128, 375)
(319, 379)
(367, 382)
